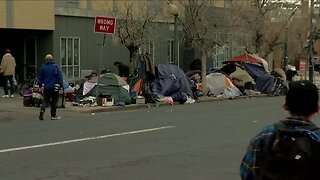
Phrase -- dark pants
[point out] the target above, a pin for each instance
(5, 84)
(50, 97)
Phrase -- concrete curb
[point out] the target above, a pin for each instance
(99, 109)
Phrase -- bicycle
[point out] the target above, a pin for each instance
(29, 83)
(279, 88)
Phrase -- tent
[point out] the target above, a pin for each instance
(264, 80)
(243, 58)
(250, 58)
(114, 85)
(218, 84)
(172, 81)
(262, 61)
(242, 76)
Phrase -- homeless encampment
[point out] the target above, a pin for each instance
(239, 77)
(264, 81)
(172, 81)
(219, 85)
(250, 58)
(113, 85)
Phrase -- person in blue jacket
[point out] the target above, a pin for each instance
(51, 82)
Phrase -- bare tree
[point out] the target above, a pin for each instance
(195, 28)
(135, 25)
(199, 29)
(268, 19)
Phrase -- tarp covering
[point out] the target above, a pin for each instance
(172, 81)
(264, 81)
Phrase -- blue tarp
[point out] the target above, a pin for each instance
(172, 81)
(264, 81)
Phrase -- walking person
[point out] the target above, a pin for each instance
(289, 149)
(8, 65)
(51, 82)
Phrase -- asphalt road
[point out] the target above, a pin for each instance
(196, 141)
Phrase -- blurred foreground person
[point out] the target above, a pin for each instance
(289, 149)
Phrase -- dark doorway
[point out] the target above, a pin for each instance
(30, 58)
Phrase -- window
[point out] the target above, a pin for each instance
(70, 57)
(170, 52)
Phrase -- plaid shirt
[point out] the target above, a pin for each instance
(250, 162)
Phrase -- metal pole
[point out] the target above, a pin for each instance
(311, 39)
(101, 58)
(176, 41)
(285, 62)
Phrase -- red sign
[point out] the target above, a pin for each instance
(105, 25)
(302, 66)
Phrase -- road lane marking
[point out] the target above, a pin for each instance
(84, 139)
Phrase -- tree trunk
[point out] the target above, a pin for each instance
(133, 58)
(258, 42)
(203, 71)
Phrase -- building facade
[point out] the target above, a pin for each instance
(27, 29)
(65, 28)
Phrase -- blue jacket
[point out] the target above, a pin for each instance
(49, 75)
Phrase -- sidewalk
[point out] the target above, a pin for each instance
(16, 105)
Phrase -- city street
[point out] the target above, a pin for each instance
(150, 90)
(197, 141)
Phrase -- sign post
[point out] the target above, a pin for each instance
(302, 69)
(105, 25)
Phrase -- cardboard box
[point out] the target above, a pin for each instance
(140, 100)
(108, 102)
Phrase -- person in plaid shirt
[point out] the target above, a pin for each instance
(302, 103)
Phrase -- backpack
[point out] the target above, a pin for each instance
(293, 154)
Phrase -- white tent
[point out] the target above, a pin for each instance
(219, 85)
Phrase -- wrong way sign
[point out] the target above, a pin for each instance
(105, 25)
